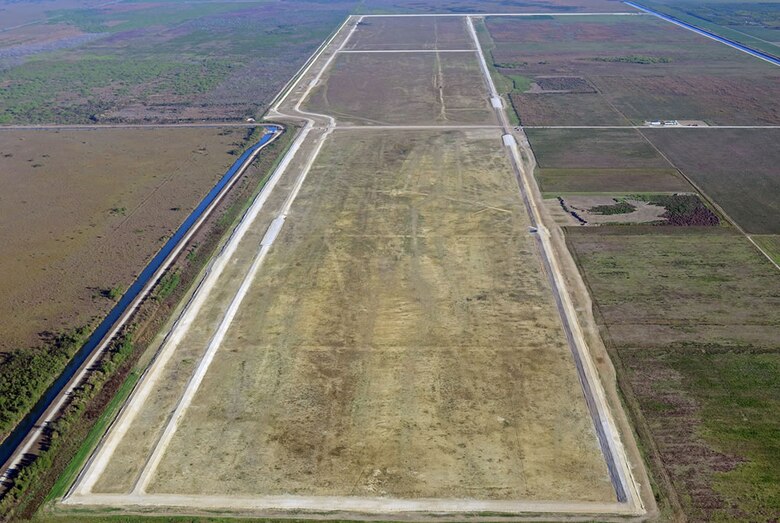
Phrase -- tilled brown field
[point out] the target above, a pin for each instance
(426, 32)
(404, 89)
(400, 340)
(82, 211)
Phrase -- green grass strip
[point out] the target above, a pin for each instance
(90, 442)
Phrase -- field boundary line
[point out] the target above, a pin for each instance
(216, 342)
(437, 51)
(285, 91)
(469, 15)
(711, 201)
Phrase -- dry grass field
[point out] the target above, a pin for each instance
(82, 211)
(602, 149)
(425, 32)
(404, 89)
(638, 68)
(738, 168)
(400, 341)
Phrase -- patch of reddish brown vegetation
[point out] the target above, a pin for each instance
(674, 417)
(575, 84)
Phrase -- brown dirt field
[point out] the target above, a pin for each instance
(643, 212)
(408, 88)
(738, 168)
(564, 181)
(65, 235)
(495, 6)
(427, 32)
(593, 149)
(376, 378)
(388, 359)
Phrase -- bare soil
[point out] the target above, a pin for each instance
(404, 89)
(643, 212)
(425, 32)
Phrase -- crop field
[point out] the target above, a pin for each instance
(638, 67)
(491, 6)
(625, 181)
(698, 368)
(735, 167)
(377, 379)
(427, 32)
(565, 109)
(602, 149)
(404, 89)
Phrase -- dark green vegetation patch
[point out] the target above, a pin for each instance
(683, 209)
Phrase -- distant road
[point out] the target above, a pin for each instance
(74, 127)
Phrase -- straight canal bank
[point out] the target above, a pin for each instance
(17, 449)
